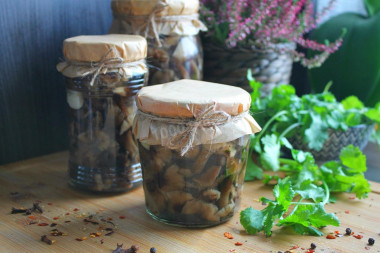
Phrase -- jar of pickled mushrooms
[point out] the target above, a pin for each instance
(193, 141)
(103, 74)
(171, 28)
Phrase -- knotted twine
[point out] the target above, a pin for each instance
(151, 20)
(208, 118)
(95, 68)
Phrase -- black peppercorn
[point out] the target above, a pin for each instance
(153, 250)
(371, 241)
(313, 246)
(348, 231)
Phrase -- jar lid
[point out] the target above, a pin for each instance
(93, 48)
(186, 98)
(146, 7)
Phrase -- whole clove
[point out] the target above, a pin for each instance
(110, 233)
(45, 239)
(28, 211)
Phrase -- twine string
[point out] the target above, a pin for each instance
(151, 20)
(208, 118)
(95, 68)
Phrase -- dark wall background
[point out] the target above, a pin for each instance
(32, 92)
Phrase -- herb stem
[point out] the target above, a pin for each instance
(290, 128)
(327, 197)
(280, 113)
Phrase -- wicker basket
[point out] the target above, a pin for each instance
(357, 136)
(230, 66)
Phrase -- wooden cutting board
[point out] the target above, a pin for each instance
(44, 179)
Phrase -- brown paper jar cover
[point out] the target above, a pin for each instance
(145, 7)
(187, 100)
(180, 99)
(92, 48)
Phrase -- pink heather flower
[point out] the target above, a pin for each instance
(263, 23)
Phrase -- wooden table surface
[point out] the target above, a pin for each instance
(44, 179)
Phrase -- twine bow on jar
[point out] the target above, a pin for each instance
(208, 118)
(95, 68)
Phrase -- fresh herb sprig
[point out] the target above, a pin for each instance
(306, 182)
(312, 187)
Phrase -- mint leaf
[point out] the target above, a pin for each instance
(252, 220)
(354, 159)
(269, 159)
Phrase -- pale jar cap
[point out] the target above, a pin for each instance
(92, 48)
(185, 98)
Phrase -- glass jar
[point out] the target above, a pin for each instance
(103, 153)
(171, 29)
(193, 150)
(178, 57)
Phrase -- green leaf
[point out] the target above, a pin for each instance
(319, 218)
(353, 119)
(252, 220)
(373, 6)
(354, 159)
(271, 213)
(308, 190)
(302, 230)
(283, 192)
(352, 102)
(317, 134)
(271, 155)
(374, 113)
(252, 171)
(254, 85)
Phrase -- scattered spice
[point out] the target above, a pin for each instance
(119, 249)
(101, 241)
(43, 224)
(348, 231)
(313, 246)
(55, 218)
(309, 251)
(294, 247)
(228, 235)
(91, 221)
(53, 224)
(56, 232)
(153, 250)
(67, 213)
(330, 237)
(97, 234)
(351, 197)
(358, 236)
(32, 222)
(109, 218)
(347, 212)
(18, 210)
(50, 204)
(31, 217)
(79, 239)
(122, 217)
(110, 233)
(45, 239)
(75, 209)
(371, 241)
(367, 248)
(337, 232)
(238, 243)
(36, 207)
(67, 221)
